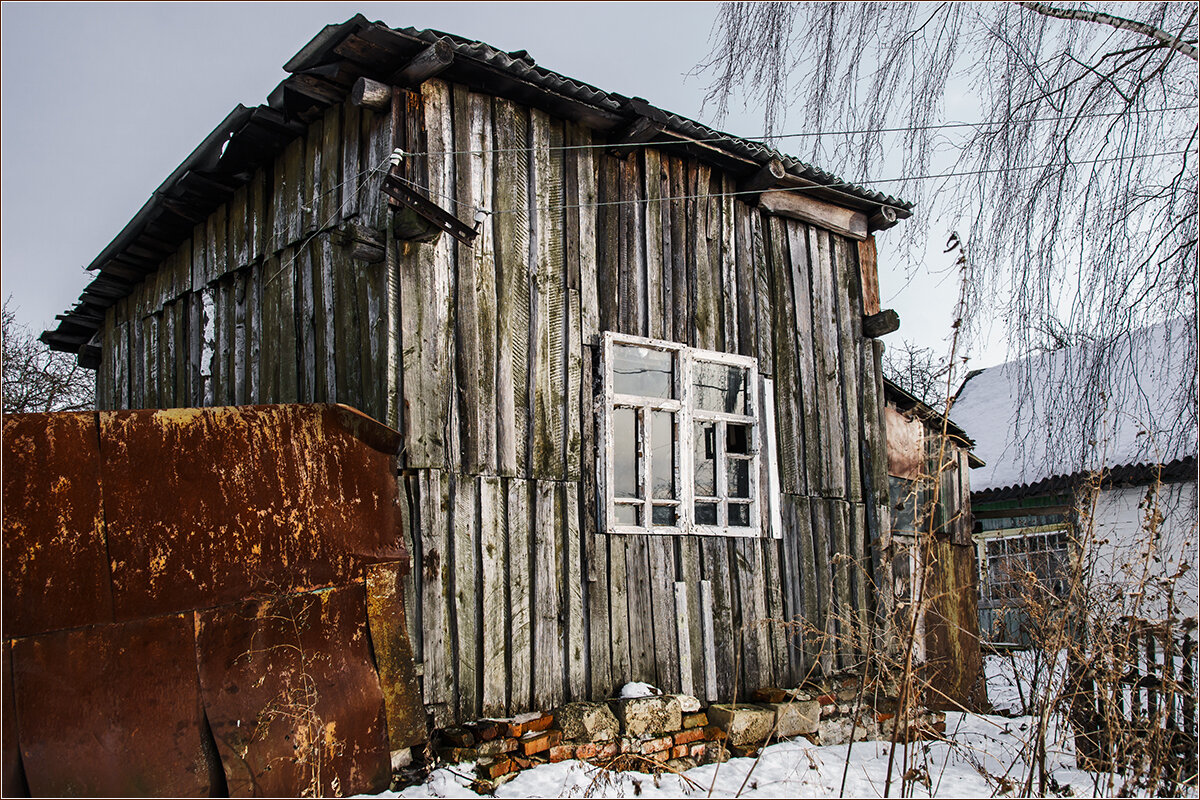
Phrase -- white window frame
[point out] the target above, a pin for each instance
(760, 421)
(1041, 532)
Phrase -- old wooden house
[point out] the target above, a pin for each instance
(631, 359)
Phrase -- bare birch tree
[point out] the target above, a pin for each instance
(1075, 188)
(35, 378)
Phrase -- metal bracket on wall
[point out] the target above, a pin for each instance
(396, 187)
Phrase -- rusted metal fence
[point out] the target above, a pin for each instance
(204, 601)
(1134, 703)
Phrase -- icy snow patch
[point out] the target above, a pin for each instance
(638, 689)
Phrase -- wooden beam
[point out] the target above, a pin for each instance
(868, 271)
(833, 218)
(372, 94)
(425, 64)
(767, 177)
(883, 218)
(881, 324)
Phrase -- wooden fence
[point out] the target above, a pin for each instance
(1134, 703)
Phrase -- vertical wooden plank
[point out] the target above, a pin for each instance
(849, 328)
(269, 330)
(775, 630)
(287, 321)
(574, 586)
(372, 361)
(823, 622)
(468, 588)
(376, 143)
(575, 416)
(150, 336)
(707, 286)
(347, 330)
(762, 291)
(329, 200)
(312, 212)
(436, 599)
(805, 376)
(238, 241)
(683, 615)
(208, 346)
(325, 311)
(290, 207)
(550, 319)
(306, 302)
(716, 564)
(861, 582)
(512, 259)
(743, 278)
(755, 623)
(868, 272)
(351, 177)
(681, 258)
(179, 330)
(594, 544)
(708, 633)
(254, 324)
(804, 616)
(608, 242)
(789, 417)
(843, 565)
(494, 619)
(828, 370)
(241, 360)
(520, 573)
(548, 684)
(257, 230)
(229, 336)
(692, 663)
(643, 663)
(218, 247)
(661, 554)
(585, 161)
(657, 312)
(476, 266)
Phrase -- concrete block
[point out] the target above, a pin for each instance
(592, 722)
(696, 719)
(742, 724)
(795, 718)
(648, 717)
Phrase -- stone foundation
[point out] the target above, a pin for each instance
(677, 732)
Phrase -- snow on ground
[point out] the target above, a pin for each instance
(984, 756)
(977, 763)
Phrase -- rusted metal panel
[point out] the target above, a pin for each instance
(954, 663)
(905, 450)
(112, 710)
(292, 696)
(55, 565)
(393, 657)
(13, 784)
(244, 501)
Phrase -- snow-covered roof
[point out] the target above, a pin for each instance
(1043, 417)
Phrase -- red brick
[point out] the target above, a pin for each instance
(715, 734)
(697, 750)
(679, 751)
(661, 755)
(769, 695)
(561, 752)
(532, 743)
(587, 750)
(521, 762)
(827, 700)
(689, 736)
(608, 750)
(697, 719)
(518, 728)
(492, 769)
(881, 717)
(656, 745)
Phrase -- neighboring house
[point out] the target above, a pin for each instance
(929, 460)
(1048, 444)
(631, 359)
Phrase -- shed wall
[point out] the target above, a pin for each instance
(518, 602)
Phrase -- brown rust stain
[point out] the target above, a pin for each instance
(55, 566)
(393, 657)
(112, 710)
(954, 663)
(905, 448)
(245, 500)
(292, 696)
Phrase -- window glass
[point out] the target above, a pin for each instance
(643, 371)
(626, 478)
(629, 515)
(739, 515)
(664, 516)
(705, 459)
(706, 513)
(739, 477)
(737, 438)
(720, 387)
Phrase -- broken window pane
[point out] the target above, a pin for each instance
(737, 439)
(719, 387)
(643, 371)
(705, 444)
(662, 454)
(626, 482)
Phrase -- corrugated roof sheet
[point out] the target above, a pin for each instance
(323, 71)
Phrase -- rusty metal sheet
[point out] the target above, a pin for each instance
(244, 501)
(13, 784)
(292, 696)
(905, 448)
(55, 565)
(393, 657)
(112, 710)
(954, 664)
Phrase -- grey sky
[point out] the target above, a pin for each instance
(102, 101)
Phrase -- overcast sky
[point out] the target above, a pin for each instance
(102, 101)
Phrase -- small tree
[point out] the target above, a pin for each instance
(918, 371)
(35, 378)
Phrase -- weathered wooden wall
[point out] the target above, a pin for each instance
(518, 602)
